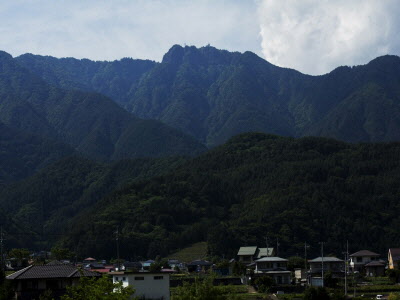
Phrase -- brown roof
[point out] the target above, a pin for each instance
(51, 271)
(395, 252)
(364, 253)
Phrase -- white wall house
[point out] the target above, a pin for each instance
(146, 284)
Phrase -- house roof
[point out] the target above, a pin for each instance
(247, 250)
(395, 252)
(375, 264)
(265, 252)
(51, 271)
(89, 259)
(200, 263)
(55, 262)
(364, 253)
(326, 259)
(271, 258)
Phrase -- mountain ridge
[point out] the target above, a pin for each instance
(214, 94)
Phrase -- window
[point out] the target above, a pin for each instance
(123, 278)
(116, 278)
(139, 278)
(158, 277)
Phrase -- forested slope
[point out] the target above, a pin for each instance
(45, 203)
(89, 122)
(256, 185)
(22, 154)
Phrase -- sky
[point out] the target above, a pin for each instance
(312, 36)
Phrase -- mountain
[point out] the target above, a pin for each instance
(112, 79)
(89, 122)
(46, 202)
(255, 185)
(214, 94)
(22, 154)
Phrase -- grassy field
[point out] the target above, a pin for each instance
(195, 251)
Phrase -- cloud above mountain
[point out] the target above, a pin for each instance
(107, 30)
(315, 36)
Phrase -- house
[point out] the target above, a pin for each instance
(131, 266)
(30, 282)
(265, 252)
(393, 258)
(331, 264)
(89, 260)
(199, 266)
(247, 255)
(147, 285)
(275, 267)
(146, 264)
(359, 259)
(375, 269)
(174, 263)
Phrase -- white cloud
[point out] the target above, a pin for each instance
(106, 30)
(315, 36)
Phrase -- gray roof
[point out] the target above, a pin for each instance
(271, 258)
(200, 263)
(247, 250)
(265, 252)
(364, 253)
(51, 271)
(326, 259)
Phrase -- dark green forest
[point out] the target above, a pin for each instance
(256, 185)
(214, 94)
(22, 154)
(91, 123)
(42, 205)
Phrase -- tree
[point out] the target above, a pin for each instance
(61, 253)
(263, 283)
(313, 293)
(295, 262)
(21, 255)
(201, 290)
(329, 281)
(393, 275)
(98, 289)
(6, 291)
(393, 296)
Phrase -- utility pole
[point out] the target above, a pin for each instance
(117, 241)
(322, 262)
(305, 255)
(346, 258)
(2, 266)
